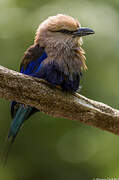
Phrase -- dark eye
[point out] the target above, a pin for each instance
(65, 31)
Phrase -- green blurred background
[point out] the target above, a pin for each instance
(60, 149)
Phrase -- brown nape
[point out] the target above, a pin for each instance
(32, 53)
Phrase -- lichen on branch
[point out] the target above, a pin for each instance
(52, 101)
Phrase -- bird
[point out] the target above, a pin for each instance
(55, 56)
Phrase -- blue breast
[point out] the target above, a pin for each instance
(52, 73)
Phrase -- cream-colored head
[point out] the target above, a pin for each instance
(59, 22)
(60, 35)
(52, 28)
(60, 28)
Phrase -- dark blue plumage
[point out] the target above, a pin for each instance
(51, 72)
(19, 109)
(34, 65)
(48, 71)
(56, 57)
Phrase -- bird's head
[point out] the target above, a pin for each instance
(60, 29)
(61, 36)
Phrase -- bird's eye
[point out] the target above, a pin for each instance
(65, 31)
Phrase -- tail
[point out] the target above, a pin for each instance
(21, 115)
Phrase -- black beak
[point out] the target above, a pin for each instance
(83, 31)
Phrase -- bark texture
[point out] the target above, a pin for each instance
(38, 93)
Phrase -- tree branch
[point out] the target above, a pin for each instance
(38, 93)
